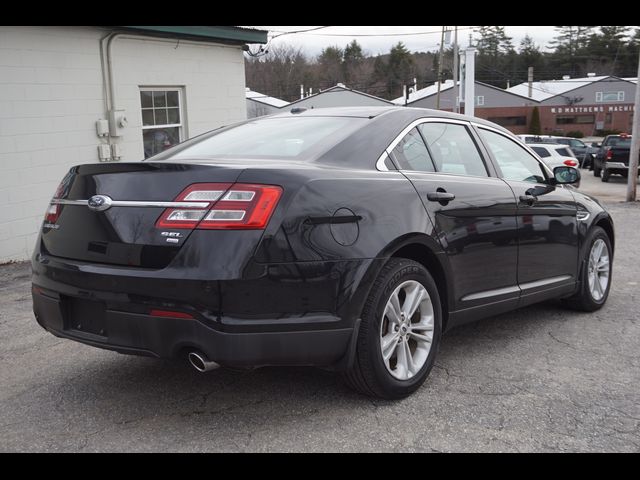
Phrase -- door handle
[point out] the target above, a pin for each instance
(440, 196)
(528, 199)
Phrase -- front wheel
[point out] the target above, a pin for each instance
(399, 332)
(595, 277)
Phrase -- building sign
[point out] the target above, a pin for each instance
(593, 109)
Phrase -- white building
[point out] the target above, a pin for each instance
(157, 85)
(259, 104)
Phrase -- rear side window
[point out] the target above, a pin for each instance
(543, 152)
(453, 150)
(411, 153)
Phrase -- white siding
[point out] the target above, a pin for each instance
(51, 94)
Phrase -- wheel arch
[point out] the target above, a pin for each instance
(427, 251)
(606, 223)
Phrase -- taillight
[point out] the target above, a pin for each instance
(53, 210)
(570, 163)
(229, 206)
(609, 155)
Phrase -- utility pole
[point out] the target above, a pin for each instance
(456, 95)
(470, 81)
(530, 82)
(632, 178)
(440, 68)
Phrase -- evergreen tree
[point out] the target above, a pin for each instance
(330, 63)
(352, 59)
(606, 50)
(400, 69)
(535, 127)
(569, 48)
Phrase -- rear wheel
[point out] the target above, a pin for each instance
(595, 279)
(399, 334)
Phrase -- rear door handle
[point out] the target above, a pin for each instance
(528, 199)
(440, 196)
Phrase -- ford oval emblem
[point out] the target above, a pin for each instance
(99, 203)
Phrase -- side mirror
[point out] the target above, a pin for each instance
(564, 175)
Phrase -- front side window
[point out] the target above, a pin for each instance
(411, 153)
(514, 161)
(161, 119)
(452, 148)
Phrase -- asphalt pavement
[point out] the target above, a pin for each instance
(542, 378)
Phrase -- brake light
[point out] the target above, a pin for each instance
(229, 206)
(570, 163)
(609, 155)
(53, 210)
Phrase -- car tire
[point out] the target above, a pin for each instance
(370, 373)
(587, 298)
(605, 175)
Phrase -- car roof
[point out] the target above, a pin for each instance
(547, 145)
(371, 112)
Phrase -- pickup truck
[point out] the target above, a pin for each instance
(613, 157)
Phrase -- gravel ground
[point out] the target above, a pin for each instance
(539, 379)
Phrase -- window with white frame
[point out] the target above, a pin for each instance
(479, 100)
(609, 97)
(162, 122)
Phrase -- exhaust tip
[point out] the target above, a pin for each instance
(200, 362)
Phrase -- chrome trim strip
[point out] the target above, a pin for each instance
(490, 293)
(513, 289)
(545, 281)
(380, 163)
(135, 203)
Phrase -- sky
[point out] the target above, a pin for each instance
(313, 42)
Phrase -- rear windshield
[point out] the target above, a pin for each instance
(297, 138)
(565, 152)
(541, 151)
(619, 142)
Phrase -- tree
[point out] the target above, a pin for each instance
(535, 127)
(352, 59)
(569, 47)
(279, 73)
(605, 49)
(496, 55)
(330, 63)
(400, 69)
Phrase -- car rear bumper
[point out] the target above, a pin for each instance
(140, 334)
(288, 314)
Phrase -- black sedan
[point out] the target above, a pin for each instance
(349, 239)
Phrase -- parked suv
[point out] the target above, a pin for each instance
(583, 152)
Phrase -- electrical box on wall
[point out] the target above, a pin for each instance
(117, 122)
(102, 127)
(104, 152)
(116, 152)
